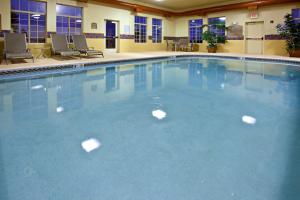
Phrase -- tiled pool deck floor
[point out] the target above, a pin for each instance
(111, 57)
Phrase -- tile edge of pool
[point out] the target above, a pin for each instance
(6, 74)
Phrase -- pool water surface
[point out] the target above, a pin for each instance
(172, 129)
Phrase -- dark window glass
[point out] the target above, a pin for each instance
(140, 29)
(217, 26)
(68, 20)
(68, 10)
(156, 30)
(296, 15)
(28, 5)
(29, 17)
(195, 30)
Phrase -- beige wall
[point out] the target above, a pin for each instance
(98, 13)
(177, 27)
(240, 17)
(5, 14)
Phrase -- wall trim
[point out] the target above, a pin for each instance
(274, 37)
(126, 37)
(4, 31)
(202, 11)
(94, 35)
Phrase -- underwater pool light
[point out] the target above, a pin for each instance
(159, 114)
(249, 120)
(90, 144)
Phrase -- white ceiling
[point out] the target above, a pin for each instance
(181, 5)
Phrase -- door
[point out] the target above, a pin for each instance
(254, 37)
(111, 36)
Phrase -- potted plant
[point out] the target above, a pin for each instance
(212, 38)
(290, 31)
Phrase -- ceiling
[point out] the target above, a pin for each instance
(181, 5)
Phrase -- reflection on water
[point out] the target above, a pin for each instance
(187, 126)
(111, 79)
(196, 74)
(140, 77)
(156, 75)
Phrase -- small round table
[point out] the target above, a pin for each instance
(43, 52)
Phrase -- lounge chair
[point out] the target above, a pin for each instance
(81, 46)
(15, 47)
(60, 46)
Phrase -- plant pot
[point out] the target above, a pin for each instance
(212, 49)
(295, 53)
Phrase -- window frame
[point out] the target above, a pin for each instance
(69, 17)
(197, 26)
(30, 13)
(142, 38)
(157, 38)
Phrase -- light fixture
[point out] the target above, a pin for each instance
(90, 144)
(78, 20)
(222, 18)
(36, 16)
(249, 120)
(159, 114)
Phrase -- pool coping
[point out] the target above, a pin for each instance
(51, 67)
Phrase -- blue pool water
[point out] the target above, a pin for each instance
(174, 129)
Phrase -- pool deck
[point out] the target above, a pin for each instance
(113, 57)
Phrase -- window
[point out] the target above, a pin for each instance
(140, 29)
(195, 31)
(68, 20)
(296, 15)
(29, 17)
(156, 30)
(217, 26)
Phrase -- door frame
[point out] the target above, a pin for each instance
(117, 50)
(246, 32)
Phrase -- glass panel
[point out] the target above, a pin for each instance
(20, 21)
(15, 4)
(62, 25)
(68, 10)
(37, 28)
(195, 31)
(296, 13)
(216, 26)
(72, 14)
(140, 30)
(35, 6)
(23, 5)
(156, 30)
